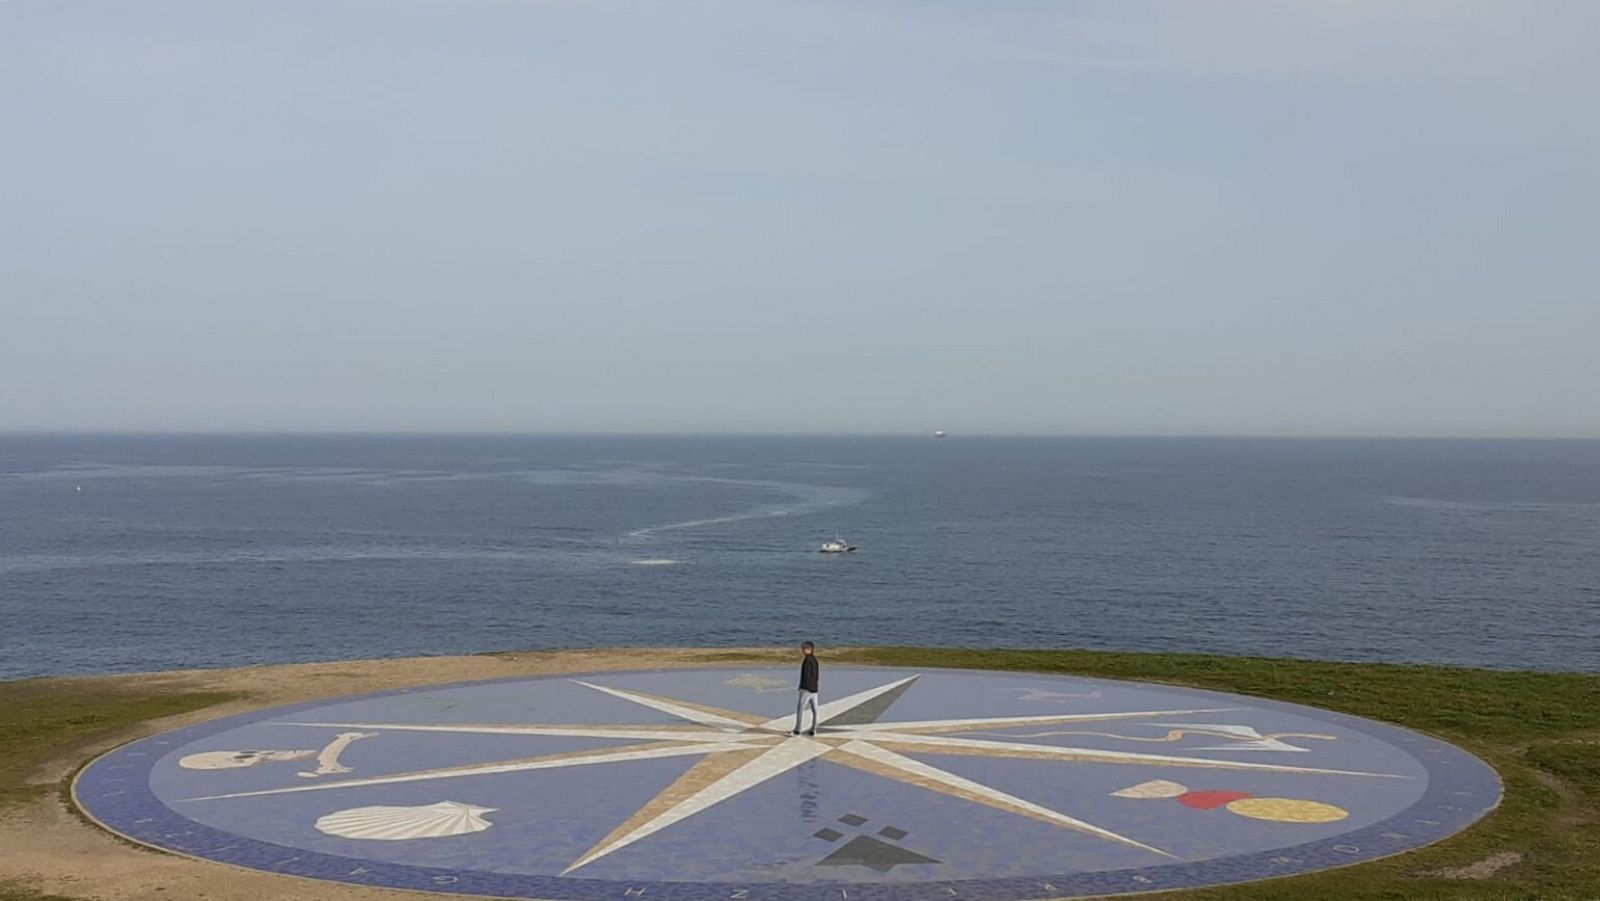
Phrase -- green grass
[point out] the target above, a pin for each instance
(1540, 730)
(45, 718)
(48, 719)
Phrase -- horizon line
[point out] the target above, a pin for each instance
(518, 433)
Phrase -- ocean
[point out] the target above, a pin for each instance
(127, 553)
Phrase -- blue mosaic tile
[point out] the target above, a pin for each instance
(686, 784)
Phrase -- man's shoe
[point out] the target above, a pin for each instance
(795, 732)
(813, 732)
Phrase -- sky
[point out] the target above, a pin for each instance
(1321, 217)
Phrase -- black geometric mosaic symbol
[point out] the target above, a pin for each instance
(829, 835)
(867, 851)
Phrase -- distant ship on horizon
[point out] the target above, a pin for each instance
(938, 433)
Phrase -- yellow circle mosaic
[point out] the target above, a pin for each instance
(1287, 810)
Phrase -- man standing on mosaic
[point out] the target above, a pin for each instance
(808, 688)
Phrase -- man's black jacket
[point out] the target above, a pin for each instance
(808, 673)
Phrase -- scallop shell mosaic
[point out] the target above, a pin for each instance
(398, 824)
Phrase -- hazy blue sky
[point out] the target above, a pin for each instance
(1317, 217)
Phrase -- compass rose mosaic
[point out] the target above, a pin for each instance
(690, 784)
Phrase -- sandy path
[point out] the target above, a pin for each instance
(47, 846)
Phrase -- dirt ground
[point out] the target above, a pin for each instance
(48, 847)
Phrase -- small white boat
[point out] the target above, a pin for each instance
(837, 545)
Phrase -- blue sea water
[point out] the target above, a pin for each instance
(122, 553)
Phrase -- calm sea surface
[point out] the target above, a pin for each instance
(139, 553)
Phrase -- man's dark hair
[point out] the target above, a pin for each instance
(806, 645)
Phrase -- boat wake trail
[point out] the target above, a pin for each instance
(647, 531)
(806, 499)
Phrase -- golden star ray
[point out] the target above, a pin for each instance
(694, 713)
(1013, 722)
(883, 762)
(669, 732)
(929, 744)
(549, 761)
(753, 771)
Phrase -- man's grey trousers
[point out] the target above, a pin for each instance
(807, 699)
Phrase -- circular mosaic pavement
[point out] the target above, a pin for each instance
(679, 784)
